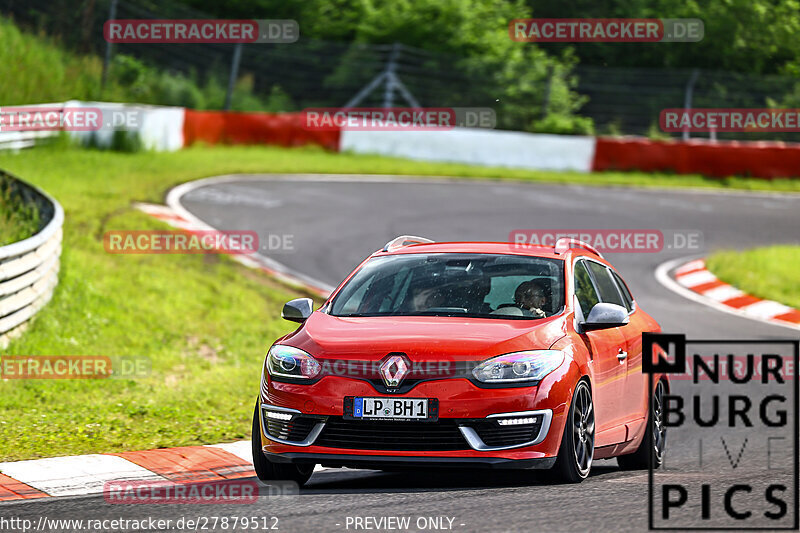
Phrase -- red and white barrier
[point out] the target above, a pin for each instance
(227, 127)
(475, 146)
(172, 128)
(719, 159)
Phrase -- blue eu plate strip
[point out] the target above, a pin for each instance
(358, 407)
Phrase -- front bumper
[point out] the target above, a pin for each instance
(467, 411)
(378, 462)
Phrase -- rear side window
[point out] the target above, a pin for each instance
(626, 294)
(584, 289)
(608, 289)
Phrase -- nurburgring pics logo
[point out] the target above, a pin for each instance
(606, 30)
(731, 411)
(729, 120)
(180, 242)
(397, 118)
(613, 240)
(149, 31)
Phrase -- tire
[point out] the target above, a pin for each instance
(653, 444)
(574, 460)
(269, 471)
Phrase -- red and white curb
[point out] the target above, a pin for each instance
(88, 474)
(191, 224)
(693, 280)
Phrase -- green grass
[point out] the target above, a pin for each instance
(18, 220)
(769, 273)
(36, 69)
(204, 322)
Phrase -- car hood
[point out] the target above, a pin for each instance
(422, 338)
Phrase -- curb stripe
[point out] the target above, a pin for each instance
(792, 316)
(191, 463)
(741, 301)
(240, 449)
(766, 309)
(722, 293)
(696, 278)
(711, 285)
(691, 266)
(70, 476)
(11, 489)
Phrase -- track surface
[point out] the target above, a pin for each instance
(335, 223)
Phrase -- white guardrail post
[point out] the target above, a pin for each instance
(29, 268)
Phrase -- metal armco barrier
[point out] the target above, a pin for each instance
(29, 268)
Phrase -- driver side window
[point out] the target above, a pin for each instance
(584, 289)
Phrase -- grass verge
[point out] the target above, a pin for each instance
(203, 322)
(769, 273)
(18, 220)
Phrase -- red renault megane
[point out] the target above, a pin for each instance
(462, 355)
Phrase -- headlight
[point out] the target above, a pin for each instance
(514, 367)
(289, 362)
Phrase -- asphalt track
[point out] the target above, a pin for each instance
(336, 222)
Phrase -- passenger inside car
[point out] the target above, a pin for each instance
(531, 297)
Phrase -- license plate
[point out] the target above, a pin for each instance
(390, 408)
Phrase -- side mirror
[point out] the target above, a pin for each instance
(298, 310)
(606, 315)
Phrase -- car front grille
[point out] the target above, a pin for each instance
(295, 430)
(391, 435)
(495, 435)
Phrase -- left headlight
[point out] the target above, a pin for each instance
(290, 362)
(515, 367)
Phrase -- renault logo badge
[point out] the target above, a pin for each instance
(393, 370)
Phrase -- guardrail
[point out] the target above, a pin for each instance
(29, 268)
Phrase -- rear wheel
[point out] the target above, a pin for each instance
(269, 471)
(574, 461)
(654, 441)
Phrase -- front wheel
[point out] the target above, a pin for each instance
(574, 461)
(269, 471)
(654, 441)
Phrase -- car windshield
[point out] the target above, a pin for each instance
(478, 285)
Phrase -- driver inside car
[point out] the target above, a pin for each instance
(530, 296)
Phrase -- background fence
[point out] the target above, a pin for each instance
(29, 268)
(313, 73)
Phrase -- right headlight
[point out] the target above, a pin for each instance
(531, 365)
(289, 362)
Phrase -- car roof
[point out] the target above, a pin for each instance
(476, 248)
(563, 248)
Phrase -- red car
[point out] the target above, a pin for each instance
(462, 354)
